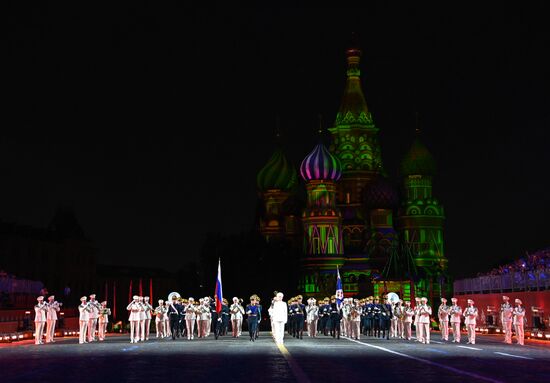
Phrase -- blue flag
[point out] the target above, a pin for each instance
(339, 289)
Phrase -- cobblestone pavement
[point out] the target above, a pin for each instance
(309, 360)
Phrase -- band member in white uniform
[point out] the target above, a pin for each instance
(356, 311)
(279, 316)
(134, 308)
(148, 310)
(203, 317)
(456, 316)
(40, 310)
(168, 331)
(519, 316)
(142, 317)
(407, 321)
(190, 317)
(84, 318)
(443, 314)
(51, 318)
(160, 313)
(312, 316)
(417, 330)
(103, 320)
(237, 312)
(399, 313)
(424, 321)
(470, 316)
(94, 314)
(506, 314)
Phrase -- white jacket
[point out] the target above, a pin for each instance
(84, 310)
(279, 312)
(134, 308)
(40, 312)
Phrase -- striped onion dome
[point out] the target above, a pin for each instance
(277, 173)
(321, 165)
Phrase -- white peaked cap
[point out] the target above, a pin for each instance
(135, 297)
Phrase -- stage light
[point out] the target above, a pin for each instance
(539, 335)
(20, 336)
(498, 330)
(547, 336)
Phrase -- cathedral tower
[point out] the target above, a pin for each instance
(275, 182)
(322, 220)
(421, 219)
(355, 143)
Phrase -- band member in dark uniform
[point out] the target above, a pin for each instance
(252, 311)
(299, 317)
(335, 317)
(324, 317)
(174, 316)
(226, 315)
(259, 315)
(385, 319)
(376, 310)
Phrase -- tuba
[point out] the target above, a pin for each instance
(173, 294)
(393, 298)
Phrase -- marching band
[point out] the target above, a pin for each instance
(177, 317)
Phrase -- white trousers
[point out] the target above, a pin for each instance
(82, 333)
(519, 333)
(161, 332)
(50, 330)
(425, 330)
(278, 331)
(236, 324)
(407, 332)
(472, 333)
(39, 326)
(134, 330)
(102, 330)
(312, 328)
(92, 324)
(507, 328)
(147, 328)
(444, 326)
(190, 325)
(455, 326)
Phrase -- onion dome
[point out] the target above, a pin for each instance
(418, 161)
(320, 164)
(380, 194)
(277, 173)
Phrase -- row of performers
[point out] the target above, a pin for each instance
(188, 318)
(93, 318)
(395, 319)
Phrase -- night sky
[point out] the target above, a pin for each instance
(153, 121)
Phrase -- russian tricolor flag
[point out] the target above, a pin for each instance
(218, 294)
(339, 290)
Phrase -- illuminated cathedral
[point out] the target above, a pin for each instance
(381, 237)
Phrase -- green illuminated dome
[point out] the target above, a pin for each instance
(418, 161)
(277, 173)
